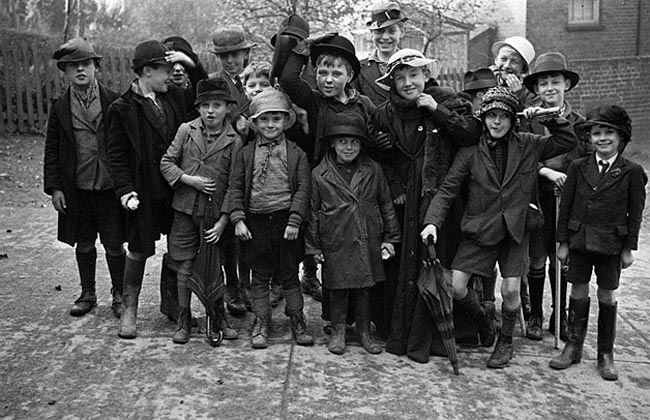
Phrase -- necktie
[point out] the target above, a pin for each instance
(603, 167)
(239, 85)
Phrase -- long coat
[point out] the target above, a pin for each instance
(348, 223)
(602, 215)
(60, 158)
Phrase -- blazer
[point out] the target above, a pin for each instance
(602, 214)
(365, 82)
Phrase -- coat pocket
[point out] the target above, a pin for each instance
(574, 225)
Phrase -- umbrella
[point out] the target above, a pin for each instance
(435, 286)
(206, 280)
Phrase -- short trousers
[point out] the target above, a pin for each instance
(607, 268)
(100, 213)
(185, 237)
(478, 259)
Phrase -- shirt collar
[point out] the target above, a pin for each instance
(135, 87)
(610, 160)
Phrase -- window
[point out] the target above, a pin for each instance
(584, 13)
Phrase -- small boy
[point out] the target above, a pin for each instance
(598, 227)
(197, 165)
(352, 223)
(500, 177)
(268, 204)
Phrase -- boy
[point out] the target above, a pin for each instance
(549, 80)
(598, 227)
(352, 222)
(512, 59)
(500, 176)
(197, 165)
(76, 173)
(476, 83)
(268, 203)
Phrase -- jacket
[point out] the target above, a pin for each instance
(365, 83)
(602, 215)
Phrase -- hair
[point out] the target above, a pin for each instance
(256, 69)
(331, 60)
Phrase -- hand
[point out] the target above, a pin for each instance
(429, 230)
(130, 200)
(213, 234)
(563, 252)
(556, 177)
(200, 183)
(382, 140)
(304, 47)
(400, 199)
(512, 81)
(426, 101)
(532, 112)
(242, 232)
(179, 57)
(319, 258)
(301, 117)
(388, 248)
(242, 125)
(291, 233)
(58, 201)
(627, 259)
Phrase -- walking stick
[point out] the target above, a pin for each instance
(558, 273)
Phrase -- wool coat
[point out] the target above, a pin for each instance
(349, 222)
(365, 83)
(598, 214)
(60, 158)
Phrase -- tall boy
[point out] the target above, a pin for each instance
(268, 203)
(598, 227)
(197, 165)
(76, 173)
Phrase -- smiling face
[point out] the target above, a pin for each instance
(213, 112)
(409, 81)
(551, 87)
(347, 149)
(332, 75)
(179, 75)
(233, 62)
(156, 77)
(255, 85)
(81, 74)
(271, 125)
(498, 122)
(510, 61)
(605, 139)
(387, 39)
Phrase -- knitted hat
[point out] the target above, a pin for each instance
(346, 124)
(553, 62)
(499, 98)
(481, 78)
(229, 39)
(76, 49)
(339, 46)
(519, 44)
(292, 25)
(147, 53)
(271, 100)
(385, 15)
(211, 89)
(613, 116)
(407, 57)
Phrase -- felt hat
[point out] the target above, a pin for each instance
(406, 57)
(271, 100)
(499, 97)
(211, 89)
(76, 49)
(552, 62)
(613, 116)
(292, 25)
(481, 78)
(340, 46)
(230, 39)
(147, 53)
(177, 43)
(346, 124)
(385, 15)
(519, 44)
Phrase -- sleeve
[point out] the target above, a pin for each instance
(51, 169)
(170, 164)
(297, 89)
(312, 236)
(463, 128)
(561, 140)
(234, 152)
(636, 203)
(392, 231)
(237, 188)
(566, 203)
(119, 157)
(300, 202)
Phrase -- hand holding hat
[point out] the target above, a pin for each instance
(304, 46)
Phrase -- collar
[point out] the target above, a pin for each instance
(610, 161)
(265, 143)
(135, 87)
(205, 132)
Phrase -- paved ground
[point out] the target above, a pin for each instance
(54, 366)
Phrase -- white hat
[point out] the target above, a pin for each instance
(519, 44)
(407, 57)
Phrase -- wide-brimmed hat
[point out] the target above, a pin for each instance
(384, 15)
(519, 44)
(613, 116)
(213, 89)
(552, 62)
(346, 124)
(340, 46)
(481, 78)
(229, 39)
(499, 97)
(149, 52)
(271, 100)
(292, 25)
(76, 49)
(406, 57)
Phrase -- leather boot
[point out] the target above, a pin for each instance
(222, 323)
(363, 322)
(260, 333)
(133, 275)
(116, 270)
(338, 311)
(310, 284)
(502, 353)
(536, 278)
(293, 309)
(578, 323)
(606, 337)
(486, 328)
(86, 262)
(183, 328)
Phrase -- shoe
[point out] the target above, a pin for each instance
(534, 328)
(84, 304)
(311, 286)
(235, 305)
(578, 323)
(260, 333)
(336, 344)
(502, 353)
(275, 295)
(299, 329)
(222, 322)
(116, 305)
(183, 329)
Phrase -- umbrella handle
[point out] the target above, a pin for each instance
(431, 248)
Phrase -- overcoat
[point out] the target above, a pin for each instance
(602, 214)
(365, 83)
(348, 223)
(60, 158)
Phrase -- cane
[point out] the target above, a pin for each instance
(558, 273)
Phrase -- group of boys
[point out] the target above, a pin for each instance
(191, 156)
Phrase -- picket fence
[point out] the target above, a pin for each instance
(30, 81)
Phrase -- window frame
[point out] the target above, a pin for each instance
(582, 25)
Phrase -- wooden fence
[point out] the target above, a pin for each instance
(30, 81)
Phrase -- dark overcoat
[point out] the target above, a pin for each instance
(365, 83)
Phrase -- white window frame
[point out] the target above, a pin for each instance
(579, 21)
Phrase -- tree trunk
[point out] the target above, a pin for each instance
(66, 24)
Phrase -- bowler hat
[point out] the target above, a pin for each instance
(385, 15)
(499, 97)
(76, 49)
(339, 46)
(553, 62)
(211, 89)
(346, 124)
(271, 100)
(613, 116)
(230, 39)
(481, 78)
(406, 57)
(177, 43)
(519, 44)
(148, 53)
(292, 25)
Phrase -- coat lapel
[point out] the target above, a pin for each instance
(614, 174)
(490, 166)
(590, 172)
(225, 139)
(196, 138)
(360, 175)
(515, 155)
(65, 115)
